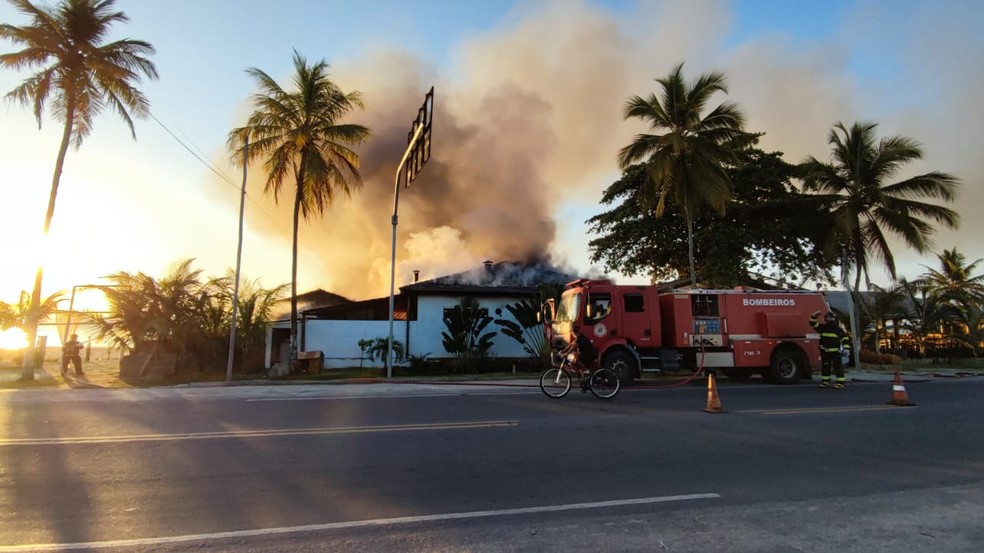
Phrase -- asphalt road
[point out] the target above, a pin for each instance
(452, 468)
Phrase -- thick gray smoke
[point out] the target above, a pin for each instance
(530, 116)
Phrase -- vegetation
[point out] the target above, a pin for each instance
(80, 75)
(375, 349)
(17, 315)
(930, 316)
(524, 327)
(185, 314)
(465, 336)
(864, 208)
(685, 165)
(302, 141)
(770, 230)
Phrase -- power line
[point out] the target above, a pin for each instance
(225, 179)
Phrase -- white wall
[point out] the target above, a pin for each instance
(425, 332)
(339, 340)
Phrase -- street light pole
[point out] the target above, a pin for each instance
(396, 205)
(417, 153)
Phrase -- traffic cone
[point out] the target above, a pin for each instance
(713, 401)
(899, 396)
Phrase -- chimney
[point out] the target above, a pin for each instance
(488, 265)
(416, 275)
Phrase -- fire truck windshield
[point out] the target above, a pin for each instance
(570, 304)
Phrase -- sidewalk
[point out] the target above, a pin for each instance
(104, 375)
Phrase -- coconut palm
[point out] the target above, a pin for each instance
(955, 280)
(300, 136)
(145, 309)
(255, 309)
(686, 163)
(865, 208)
(80, 75)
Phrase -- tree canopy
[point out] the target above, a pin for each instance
(769, 229)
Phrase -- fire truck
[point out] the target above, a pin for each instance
(739, 332)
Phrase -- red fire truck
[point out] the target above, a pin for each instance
(739, 332)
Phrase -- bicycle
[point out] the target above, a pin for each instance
(556, 381)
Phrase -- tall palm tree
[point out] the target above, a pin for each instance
(865, 208)
(686, 163)
(303, 142)
(81, 75)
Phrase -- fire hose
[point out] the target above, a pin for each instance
(689, 379)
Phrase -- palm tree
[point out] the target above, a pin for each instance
(301, 138)
(686, 163)
(864, 207)
(81, 75)
(955, 280)
(144, 309)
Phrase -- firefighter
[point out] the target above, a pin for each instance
(72, 353)
(832, 340)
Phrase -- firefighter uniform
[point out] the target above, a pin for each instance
(832, 340)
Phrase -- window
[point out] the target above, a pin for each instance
(634, 303)
(704, 305)
(601, 305)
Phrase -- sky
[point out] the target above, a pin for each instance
(527, 124)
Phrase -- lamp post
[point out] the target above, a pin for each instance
(417, 153)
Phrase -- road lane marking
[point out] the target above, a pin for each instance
(256, 433)
(809, 410)
(166, 540)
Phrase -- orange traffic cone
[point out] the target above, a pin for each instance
(713, 401)
(899, 396)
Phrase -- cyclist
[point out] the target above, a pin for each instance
(585, 354)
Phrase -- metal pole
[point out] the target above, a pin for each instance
(855, 335)
(68, 321)
(396, 204)
(239, 259)
(68, 325)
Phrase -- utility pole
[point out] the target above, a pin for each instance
(239, 259)
(414, 158)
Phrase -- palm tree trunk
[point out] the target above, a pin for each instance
(690, 244)
(293, 281)
(33, 318)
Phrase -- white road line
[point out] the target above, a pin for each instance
(351, 524)
(255, 433)
(820, 410)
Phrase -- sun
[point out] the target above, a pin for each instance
(13, 338)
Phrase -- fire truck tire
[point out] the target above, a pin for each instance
(623, 364)
(741, 375)
(787, 364)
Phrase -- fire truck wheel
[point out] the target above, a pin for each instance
(623, 364)
(786, 366)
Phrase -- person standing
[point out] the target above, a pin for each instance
(72, 353)
(832, 340)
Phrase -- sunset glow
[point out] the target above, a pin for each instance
(13, 338)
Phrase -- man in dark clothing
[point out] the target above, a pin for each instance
(832, 339)
(71, 353)
(586, 352)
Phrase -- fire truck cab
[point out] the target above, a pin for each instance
(639, 328)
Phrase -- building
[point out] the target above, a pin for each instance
(335, 328)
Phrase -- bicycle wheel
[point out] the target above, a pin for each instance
(555, 383)
(604, 383)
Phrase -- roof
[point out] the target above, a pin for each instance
(309, 300)
(505, 277)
